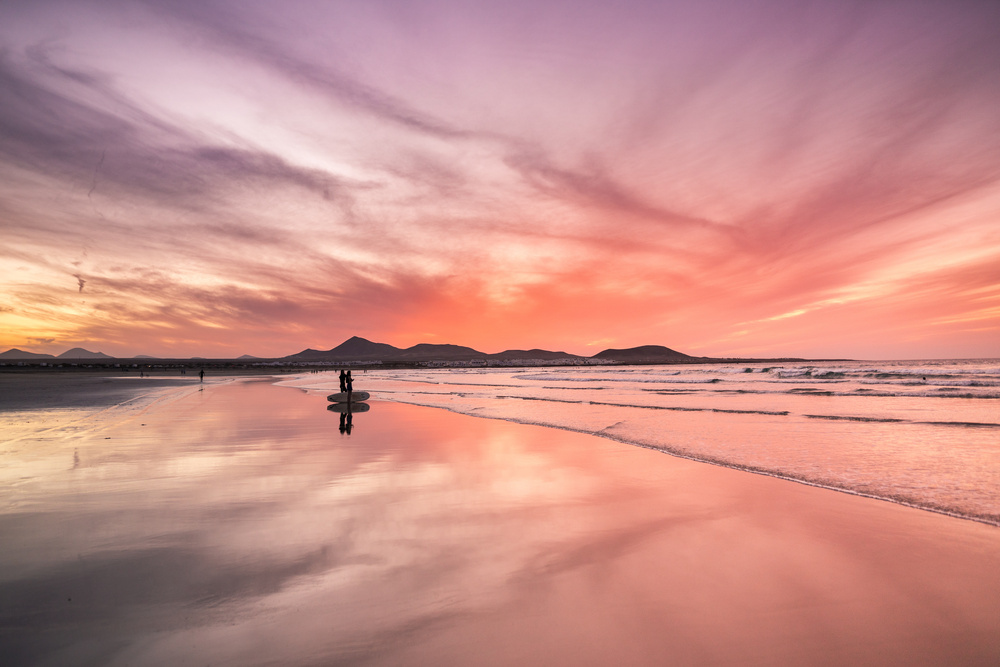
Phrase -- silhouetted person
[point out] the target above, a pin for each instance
(350, 390)
(201, 375)
(343, 380)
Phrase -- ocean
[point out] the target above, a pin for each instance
(923, 433)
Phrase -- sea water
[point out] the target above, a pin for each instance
(922, 433)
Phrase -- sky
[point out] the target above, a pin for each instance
(724, 177)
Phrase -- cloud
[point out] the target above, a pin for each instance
(594, 187)
(231, 30)
(124, 150)
(652, 173)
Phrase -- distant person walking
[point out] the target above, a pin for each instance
(343, 380)
(350, 388)
(201, 375)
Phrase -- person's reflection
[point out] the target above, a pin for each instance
(345, 421)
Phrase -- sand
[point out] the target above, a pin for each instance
(238, 525)
(54, 390)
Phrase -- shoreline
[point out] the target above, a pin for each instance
(988, 520)
(155, 387)
(863, 443)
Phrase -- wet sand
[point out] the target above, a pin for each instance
(239, 525)
(54, 390)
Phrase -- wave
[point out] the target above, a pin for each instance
(576, 388)
(640, 406)
(884, 420)
(961, 424)
(620, 380)
(668, 392)
(540, 398)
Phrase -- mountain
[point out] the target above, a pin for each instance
(75, 353)
(352, 349)
(17, 354)
(438, 352)
(361, 347)
(643, 353)
(247, 357)
(80, 353)
(543, 355)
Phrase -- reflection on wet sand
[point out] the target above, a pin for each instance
(222, 528)
(347, 411)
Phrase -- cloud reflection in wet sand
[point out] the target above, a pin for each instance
(238, 526)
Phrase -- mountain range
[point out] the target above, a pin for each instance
(357, 349)
(75, 353)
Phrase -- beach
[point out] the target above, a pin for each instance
(234, 522)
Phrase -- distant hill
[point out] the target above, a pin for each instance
(247, 357)
(75, 353)
(643, 353)
(544, 355)
(80, 353)
(17, 354)
(352, 349)
(360, 349)
(438, 352)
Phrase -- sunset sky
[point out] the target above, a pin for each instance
(726, 178)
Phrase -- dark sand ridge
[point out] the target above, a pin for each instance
(236, 526)
(48, 390)
(96, 388)
(61, 403)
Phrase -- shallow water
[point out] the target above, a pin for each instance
(237, 524)
(923, 433)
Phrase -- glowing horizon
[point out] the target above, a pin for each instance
(215, 179)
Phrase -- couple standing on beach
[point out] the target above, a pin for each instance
(347, 384)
